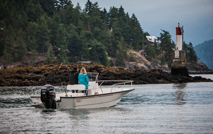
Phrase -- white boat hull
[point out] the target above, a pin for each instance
(92, 101)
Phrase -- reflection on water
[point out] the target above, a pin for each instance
(179, 85)
(160, 108)
(180, 93)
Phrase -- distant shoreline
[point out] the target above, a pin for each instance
(57, 75)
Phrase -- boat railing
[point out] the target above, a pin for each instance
(118, 82)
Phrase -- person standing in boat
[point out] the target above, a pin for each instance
(83, 78)
(73, 77)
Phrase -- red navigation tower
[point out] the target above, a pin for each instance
(179, 55)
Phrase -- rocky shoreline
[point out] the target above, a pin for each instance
(199, 68)
(55, 74)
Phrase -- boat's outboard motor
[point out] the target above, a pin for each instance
(48, 96)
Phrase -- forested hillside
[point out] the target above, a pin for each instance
(204, 53)
(64, 33)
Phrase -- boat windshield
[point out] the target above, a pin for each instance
(93, 76)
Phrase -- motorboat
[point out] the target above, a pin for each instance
(74, 96)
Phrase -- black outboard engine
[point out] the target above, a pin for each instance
(48, 96)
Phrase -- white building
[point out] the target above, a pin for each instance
(152, 40)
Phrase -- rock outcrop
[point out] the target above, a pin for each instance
(142, 63)
(55, 74)
(199, 68)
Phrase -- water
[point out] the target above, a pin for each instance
(154, 108)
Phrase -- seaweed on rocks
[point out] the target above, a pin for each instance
(56, 74)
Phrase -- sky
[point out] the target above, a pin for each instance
(196, 16)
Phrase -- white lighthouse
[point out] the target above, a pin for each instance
(179, 55)
(179, 37)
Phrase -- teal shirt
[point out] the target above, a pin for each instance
(83, 79)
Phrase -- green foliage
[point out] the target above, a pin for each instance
(62, 56)
(77, 45)
(150, 51)
(121, 53)
(34, 56)
(20, 49)
(50, 54)
(191, 56)
(162, 60)
(167, 46)
(8, 50)
(30, 41)
(97, 52)
(69, 14)
(31, 12)
(136, 33)
(67, 34)
(48, 6)
(41, 35)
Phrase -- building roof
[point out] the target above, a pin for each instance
(152, 39)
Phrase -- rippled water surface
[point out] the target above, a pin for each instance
(159, 108)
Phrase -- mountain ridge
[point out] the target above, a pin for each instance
(204, 53)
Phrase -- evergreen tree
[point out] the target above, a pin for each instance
(120, 59)
(113, 15)
(50, 53)
(97, 33)
(191, 56)
(88, 7)
(38, 11)
(30, 34)
(121, 53)
(55, 30)
(76, 44)
(62, 15)
(31, 12)
(106, 41)
(49, 6)
(87, 19)
(136, 33)
(61, 38)
(69, 14)
(163, 60)
(63, 4)
(8, 50)
(121, 13)
(20, 49)
(41, 35)
(97, 53)
(166, 44)
(104, 17)
(55, 26)
(76, 17)
(78, 7)
(150, 51)
(62, 57)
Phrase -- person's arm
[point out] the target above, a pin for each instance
(87, 79)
